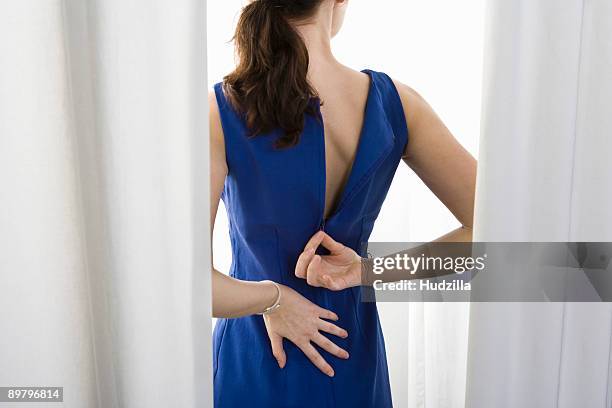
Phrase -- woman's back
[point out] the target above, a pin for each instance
(344, 93)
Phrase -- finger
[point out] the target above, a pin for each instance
(331, 328)
(277, 349)
(330, 283)
(313, 271)
(329, 346)
(328, 242)
(327, 314)
(315, 240)
(315, 357)
(303, 261)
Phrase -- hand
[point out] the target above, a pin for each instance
(339, 270)
(301, 321)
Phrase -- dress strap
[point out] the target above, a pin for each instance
(393, 105)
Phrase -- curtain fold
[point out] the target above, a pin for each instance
(437, 353)
(104, 229)
(544, 175)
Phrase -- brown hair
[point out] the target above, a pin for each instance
(269, 85)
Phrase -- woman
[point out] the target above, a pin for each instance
(303, 152)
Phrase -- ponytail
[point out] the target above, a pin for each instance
(269, 85)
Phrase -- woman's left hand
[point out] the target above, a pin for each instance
(339, 270)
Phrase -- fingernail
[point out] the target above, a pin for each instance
(346, 355)
(330, 373)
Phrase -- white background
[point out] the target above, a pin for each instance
(435, 47)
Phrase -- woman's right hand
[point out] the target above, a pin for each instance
(301, 321)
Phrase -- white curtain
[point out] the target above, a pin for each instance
(104, 242)
(545, 174)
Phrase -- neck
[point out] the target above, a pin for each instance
(317, 38)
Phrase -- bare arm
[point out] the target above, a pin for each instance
(246, 298)
(447, 169)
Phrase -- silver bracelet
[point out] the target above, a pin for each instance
(276, 304)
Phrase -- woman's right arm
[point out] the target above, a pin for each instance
(297, 319)
(246, 298)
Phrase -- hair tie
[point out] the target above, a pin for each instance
(274, 3)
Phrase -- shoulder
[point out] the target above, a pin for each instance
(415, 106)
(408, 95)
(214, 115)
(411, 101)
(217, 139)
(212, 101)
(417, 113)
(346, 82)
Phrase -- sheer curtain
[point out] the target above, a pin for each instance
(104, 243)
(545, 175)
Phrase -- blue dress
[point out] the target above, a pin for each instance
(275, 201)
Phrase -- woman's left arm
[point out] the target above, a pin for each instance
(440, 161)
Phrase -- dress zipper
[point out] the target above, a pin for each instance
(323, 168)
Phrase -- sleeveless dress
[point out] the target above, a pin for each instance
(275, 200)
